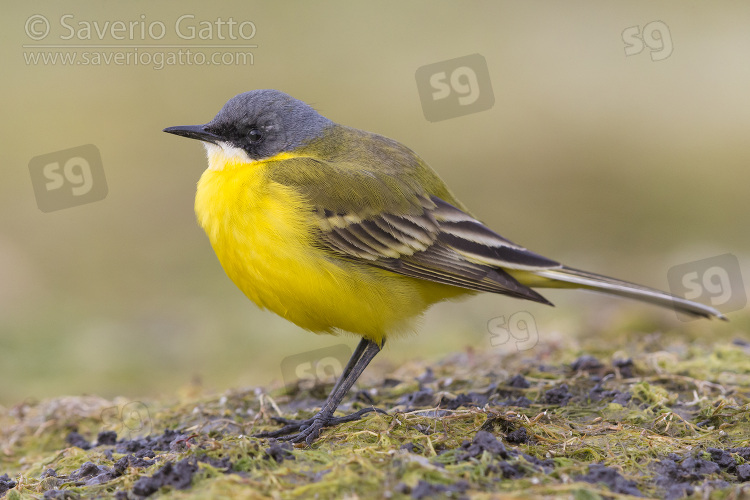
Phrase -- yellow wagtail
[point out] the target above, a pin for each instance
(334, 228)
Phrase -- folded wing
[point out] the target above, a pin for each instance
(442, 244)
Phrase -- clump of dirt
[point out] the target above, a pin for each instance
(280, 451)
(598, 473)
(178, 475)
(423, 490)
(6, 483)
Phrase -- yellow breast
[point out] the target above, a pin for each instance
(262, 233)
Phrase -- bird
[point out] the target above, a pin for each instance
(341, 230)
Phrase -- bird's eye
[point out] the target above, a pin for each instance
(255, 135)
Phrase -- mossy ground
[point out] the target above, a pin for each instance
(630, 412)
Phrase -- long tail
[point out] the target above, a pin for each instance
(591, 281)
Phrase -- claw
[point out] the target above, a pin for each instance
(309, 430)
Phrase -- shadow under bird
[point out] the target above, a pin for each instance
(338, 229)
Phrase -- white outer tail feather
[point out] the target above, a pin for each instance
(613, 286)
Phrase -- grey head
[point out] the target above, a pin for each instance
(263, 123)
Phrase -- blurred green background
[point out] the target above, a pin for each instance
(618, 164)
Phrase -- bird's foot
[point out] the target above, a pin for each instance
(309, 429)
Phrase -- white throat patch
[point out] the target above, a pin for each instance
(222, 154)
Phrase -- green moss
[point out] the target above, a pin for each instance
(687, 394)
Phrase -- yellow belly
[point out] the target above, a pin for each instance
(261, 232)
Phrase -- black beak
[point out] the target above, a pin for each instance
(194, 132)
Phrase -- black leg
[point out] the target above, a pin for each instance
(309, 429)
(361, 346)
